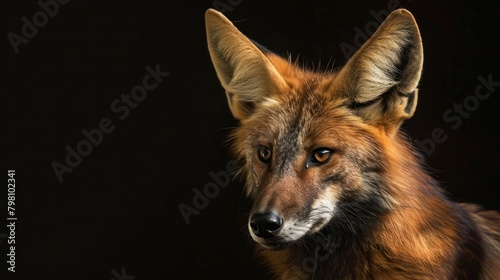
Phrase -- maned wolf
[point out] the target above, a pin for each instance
(338, 191)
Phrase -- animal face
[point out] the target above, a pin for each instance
(306, 156)
(315, 147)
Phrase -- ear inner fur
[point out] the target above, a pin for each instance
(244, 71)
(381, 79)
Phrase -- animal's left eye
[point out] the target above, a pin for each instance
(264, 154)
(319, 156)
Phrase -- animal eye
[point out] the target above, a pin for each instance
(264, 154)
(319, 156)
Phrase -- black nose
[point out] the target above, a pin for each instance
(266, 225)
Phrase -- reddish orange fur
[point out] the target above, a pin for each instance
(391, 219)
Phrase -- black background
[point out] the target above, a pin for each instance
(119, 207)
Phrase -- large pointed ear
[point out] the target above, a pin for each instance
(380, 80)
(244, 71)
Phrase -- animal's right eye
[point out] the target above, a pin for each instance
(264, 154)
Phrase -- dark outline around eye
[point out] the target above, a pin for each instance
(260, 155)
(312, 161)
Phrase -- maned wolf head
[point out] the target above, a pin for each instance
(314, 146)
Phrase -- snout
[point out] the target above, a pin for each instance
(276, 229)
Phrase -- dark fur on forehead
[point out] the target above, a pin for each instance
(287, 122)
